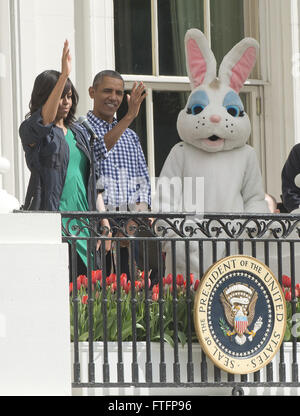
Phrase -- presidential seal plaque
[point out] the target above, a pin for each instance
(240, 314)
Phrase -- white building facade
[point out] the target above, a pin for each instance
(143, 40)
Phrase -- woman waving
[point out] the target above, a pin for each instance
(57, 150)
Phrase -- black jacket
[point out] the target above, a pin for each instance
(47, 157)
(290, 191)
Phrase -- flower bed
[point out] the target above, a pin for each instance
(170, 297)
(126, 296)
(291, 323)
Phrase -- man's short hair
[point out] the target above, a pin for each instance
(106, 73)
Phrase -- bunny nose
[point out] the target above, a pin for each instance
(215, 119)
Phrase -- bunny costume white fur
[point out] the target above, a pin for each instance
(214, 129)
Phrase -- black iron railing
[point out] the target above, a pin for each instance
(109, 315)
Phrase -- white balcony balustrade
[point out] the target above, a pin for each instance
(8, 202)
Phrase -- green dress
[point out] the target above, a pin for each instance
(74, 194)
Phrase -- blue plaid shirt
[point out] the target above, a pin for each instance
(123, 170)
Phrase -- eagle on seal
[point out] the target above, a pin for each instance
(239, 307)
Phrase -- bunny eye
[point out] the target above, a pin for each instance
(234, 111)
(197, 108)
(197, 102)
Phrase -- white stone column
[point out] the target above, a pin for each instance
(35, 357)
(6, 108)
(7, 202)
(279, 50)
(94, 40)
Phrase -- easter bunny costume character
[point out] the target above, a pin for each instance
(214, 129)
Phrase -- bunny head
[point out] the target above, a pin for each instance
(214, 118)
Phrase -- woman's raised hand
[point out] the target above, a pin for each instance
(66, 59)
(50, 108)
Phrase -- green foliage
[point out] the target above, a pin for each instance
(120, 301)
(224, 327)
(119, 309)
(293, 321)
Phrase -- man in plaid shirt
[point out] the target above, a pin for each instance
(122, 164)
(123, 169)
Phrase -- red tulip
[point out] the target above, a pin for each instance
(71, 287)
(111, 279)
(288, 296)
(84, 281)
(196, 284)
(84, 299)
(191, 278)
(155, 289)
(286, 281)
(96, 275)
(94, 280)
(127, 287)
(155, 297)
(180, 280)
(169, 279)
(123, 279)
(143, 283)
(81, 280)
(113, 287)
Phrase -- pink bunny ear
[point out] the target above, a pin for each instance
(200, 61)
(238, 63)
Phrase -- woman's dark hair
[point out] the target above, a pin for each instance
(42, 88)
